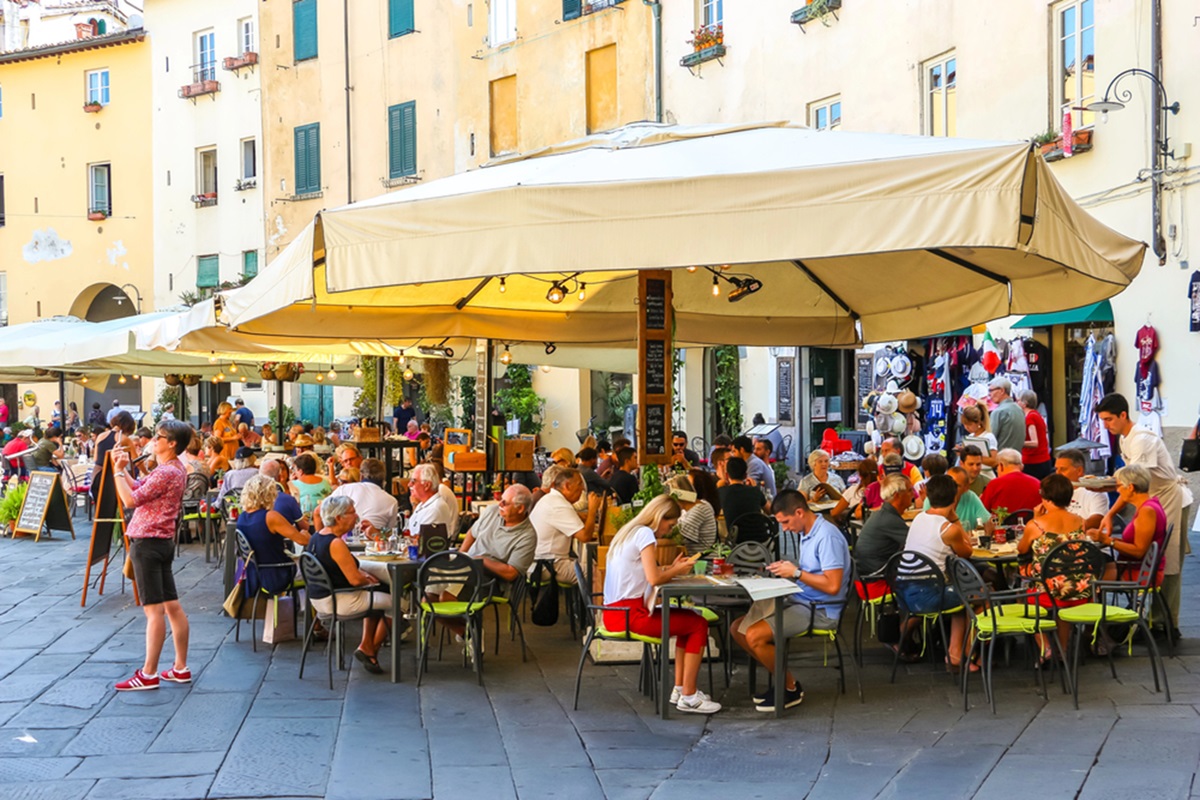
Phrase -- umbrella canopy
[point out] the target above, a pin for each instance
(853, 236)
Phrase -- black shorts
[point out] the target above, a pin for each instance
(152, 569)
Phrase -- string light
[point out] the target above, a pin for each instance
(692, 269)
(320, 377)
(214, 379)
(506, 357)
(84, 379)
(135, 377)
(358, 373)
(402, 360)
(408, 374)
(332, 374)
(503, 288)
(544, 368)
(220, 377)
(583, 291)
(121, 379)
(233, 368)
(242, 378)
(716, 287)
(556, 294)
(212, 359)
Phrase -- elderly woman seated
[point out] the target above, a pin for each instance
(327, 546)
(810, 484)
(1149, 523)
(268, 532)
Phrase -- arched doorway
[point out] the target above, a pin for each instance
(102, 302)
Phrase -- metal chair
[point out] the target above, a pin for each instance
(756, 527)
(317, 578)
(873, 594)
(518, 591)
(913, 575)
(1019, 517)
(1158, 601)
(651, 645)
(1082, 563)
(251, 565)
(828, 635)
(77, 489)
(475, 595)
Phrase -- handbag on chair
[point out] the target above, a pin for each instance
(1189, 456)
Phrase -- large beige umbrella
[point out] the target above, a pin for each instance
(852, 236)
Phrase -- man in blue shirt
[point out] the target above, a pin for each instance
(822, 575)
(756, 469)
(241, 414)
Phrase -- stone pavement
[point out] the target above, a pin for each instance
(248, 728)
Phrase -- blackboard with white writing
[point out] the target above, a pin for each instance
(656, 428)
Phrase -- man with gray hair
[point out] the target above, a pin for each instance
(428, 506)
(1012, 489)
(377, 507)
(1008, 420)
(558, 524)
(503, 537)
(885, 531)
(1091, 506)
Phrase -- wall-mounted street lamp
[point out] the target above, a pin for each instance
(120, 296)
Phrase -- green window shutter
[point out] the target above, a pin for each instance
(572, 9)
(250, 263)
(402, 139)
(308, 158)
(208, 272)
(304, 29)
(400, 17)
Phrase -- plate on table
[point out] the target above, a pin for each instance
(1102, 482)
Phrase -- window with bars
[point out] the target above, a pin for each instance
(206, 57)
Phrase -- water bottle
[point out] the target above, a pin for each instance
(393, 542)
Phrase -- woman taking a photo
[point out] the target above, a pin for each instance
(156, 502)
(631, 574)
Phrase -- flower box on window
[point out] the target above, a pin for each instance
(204, 200)
(234, 63)
(1081, 142)
(199, 88)
(700, 56)
(92, 108)
(97, 215)
(814, 10)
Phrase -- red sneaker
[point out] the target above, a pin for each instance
(176, 675)
(139, 682)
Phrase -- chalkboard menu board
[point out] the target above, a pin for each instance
(864, 371)
(656, 428)
(45, 506)
(656, 305)
(785, 383)
(654, 368)
(483, 391)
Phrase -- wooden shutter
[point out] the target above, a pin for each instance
(304, 29)
(572, 9)
(400, 17)
(307, 146)
(208, 272)
(402, 139)
(250, 263)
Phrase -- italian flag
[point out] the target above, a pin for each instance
(991, 357)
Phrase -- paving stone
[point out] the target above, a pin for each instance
(683, 789)
(1131, 744)
(203, 722)
(625, 784)
(448, 743)
(252, 767)
(115, 735)
(1106, 781)
(24, 687)
(77, 692)
(1065, 732)
(37, 715)
(1060, 776)
(151, 788)
(161, 702)
(149, 765)
(639, 758)
(87, 637)
(48, 790)
(552, 745)
(476, 781)
(21, 769)
(393, 762)
(570, 783)
(959, 770)
(280, 707)
(13, 657)
(9, 710)
(38, 742)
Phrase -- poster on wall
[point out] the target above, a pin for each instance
(864, 384)
(785, 382)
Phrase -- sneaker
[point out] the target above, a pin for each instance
(700, 704)
(765, 696)
(139, 682)
(677, 693)
(176, 675)
(791, 698)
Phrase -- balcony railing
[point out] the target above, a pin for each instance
(204, 81)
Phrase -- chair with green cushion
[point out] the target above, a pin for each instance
(594, 622)
(513, 599)
(911, 574)
(1108, 602)
(474, 591)
(993, 615)
(828, 636)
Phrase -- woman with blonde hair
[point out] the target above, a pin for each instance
(268, 533)
(632, 571)
(977, 423)
(226, 430)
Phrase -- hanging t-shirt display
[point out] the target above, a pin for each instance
(1037, 355)
(1147, 344)
(1194, 300)
(1147, 386)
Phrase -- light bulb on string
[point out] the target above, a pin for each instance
(556, 294)
(402, 361)
(545, 368)
(213, 379)
(506, 357)
(358, 373)
(233, 368)
(135, 377)
(716, 287)
(332, 374)
(212, 359)
(692, 269)
(408, 374)
(320, 377)
(242, 378)
(84, 379)
(583, 291)
(220, 378)
(503, 288)
(121, 379)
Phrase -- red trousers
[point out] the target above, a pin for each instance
(688, 627)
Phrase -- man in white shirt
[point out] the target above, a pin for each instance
(451, 501)
(1092, 506)
(1142, 446)
(558, 524)
(372, 503)
(428, 506)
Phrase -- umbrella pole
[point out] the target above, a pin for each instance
(280, 428)
(380, 387)
(62, 401)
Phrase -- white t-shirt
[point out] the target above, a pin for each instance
(925, 537)
(432, 511)
(1085, 503)
(451, 501)
(624, 575)
(556, 523)
(372, 503)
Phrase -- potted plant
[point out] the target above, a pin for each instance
(288, 371)
(92, 107)
(266, 370)
(1047, 140)
(10, 505)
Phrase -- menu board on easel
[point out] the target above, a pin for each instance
(108, 522)
(655, 355)
(44, 508)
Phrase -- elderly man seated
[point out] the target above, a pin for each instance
(428, 506)
(503, 539)
(1012, 488)
(378, 509)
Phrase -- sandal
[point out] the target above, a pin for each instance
(906, 658)
(956, 669)
(370, 663)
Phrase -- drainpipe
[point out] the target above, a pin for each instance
(1160, 156)
(658, 91)
(349, 141)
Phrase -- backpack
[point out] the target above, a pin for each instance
(196, 487)
(544, 583)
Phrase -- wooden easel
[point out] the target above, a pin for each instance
(110, 512)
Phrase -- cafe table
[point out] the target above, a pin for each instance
(402, 574)
(708, 586)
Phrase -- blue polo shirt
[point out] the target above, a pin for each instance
(824, 548)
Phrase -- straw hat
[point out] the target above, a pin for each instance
(907, 402)
(886, 404)
(303, 440)
(901, 366)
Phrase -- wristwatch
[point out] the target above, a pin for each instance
(799, 572)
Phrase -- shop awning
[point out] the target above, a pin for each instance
(1096, 312)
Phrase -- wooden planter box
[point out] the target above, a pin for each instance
(1081, 142)
(234, 63)
(700, 56)
(199, 88)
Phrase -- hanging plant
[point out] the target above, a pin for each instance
(728, 395)
(171, 379)
(437, 380)
(190, 380)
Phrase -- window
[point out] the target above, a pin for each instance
(402, 140)
(825, 115)
(308, 158)
(249, 263)
(206, 172)
(97, 87)
(100, 189)
(941, 100)
(602, 89)
(247, 41)
(572, 9)
(249, 159)
(400, 17)
(502, 22)
(1076, 61)
(208, 272)
(502, 95)
(304, 29)
(206, 56)
(712, 13)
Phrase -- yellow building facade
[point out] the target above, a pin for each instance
(75, 179)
